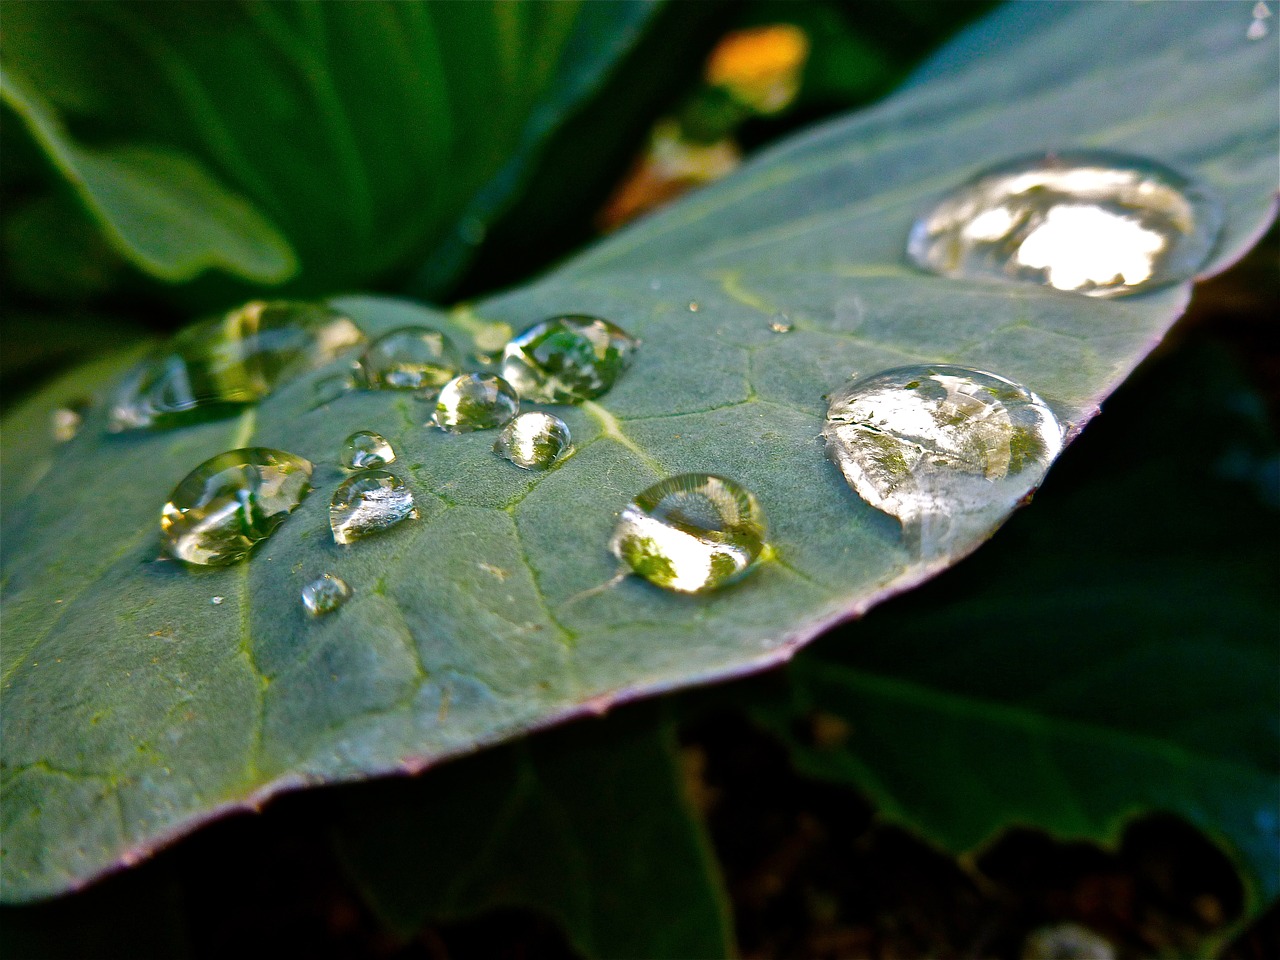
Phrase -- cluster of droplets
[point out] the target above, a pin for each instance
(946, 450)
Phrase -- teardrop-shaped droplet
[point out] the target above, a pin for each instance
(1093, 222)
(947, 450)
(534, 441)
(220, 365)
(366, 450)
(475, 401)
(368, 503)
(230, 502)
(691, 533)
(567, 359)
(409, 358)
(325, 594)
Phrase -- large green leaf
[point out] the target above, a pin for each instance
(329, 143)
(134, 709)
(1130, 668)
(590, 825)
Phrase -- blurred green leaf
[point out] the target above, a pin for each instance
(589, 825)
(168, 710)
(356, 138)
(1129, 669)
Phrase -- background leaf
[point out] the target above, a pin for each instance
(168, 710)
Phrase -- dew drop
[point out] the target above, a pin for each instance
(475, 401)
(567, 359)
(369, 503)
(220, 365)
(780, 323)
(330, 387)
(65, 421)
(366, 450)
(325, 594)
(693, 306)
(534, 441)
(947, 450)
(409, 358)
(217, 601)
(231, 502)
(691, 533)
(1093, 222)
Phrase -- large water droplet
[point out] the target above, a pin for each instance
(220, 365)
(534, 441)
(1094, 222)
(366, 450)
(945, 449)
(325, 594)
(368, 503)
(230, 502)
(475, 401)
(567, 359)
(691, 533)
(409, 358)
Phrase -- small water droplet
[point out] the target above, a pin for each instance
(781, 323)
(368, 503)
(231, 502)
(67, 420)
(409, 358)
(330, 387)
(325, 594)
(366, 450)
(534, 441)
(693, 306)
(221, 365)
(691, 533)
(217, 601)
(1257, 29)
(1093, 222)
(567, 359)
(475, 401)
(945, 449)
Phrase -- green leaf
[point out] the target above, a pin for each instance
(134, 708)
(589, 825)
(325, 144)
(1130, 668)
(157, 207)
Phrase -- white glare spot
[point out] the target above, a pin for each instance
(1079, 245)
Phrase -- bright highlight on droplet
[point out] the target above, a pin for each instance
(369, 503)
(1093, 222)
(691, 533)
(534, 441)
(231, 502)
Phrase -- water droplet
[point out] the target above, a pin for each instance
(945, 449)
(567, 359)
(475, 401)
(366, 450)
(693, 306)
(231, 502)
(368, 503)
(534, 441)
(1261, 11)
(325, 594)
(330, 387)
(217, 601)
(691, 533)
(1257, 29)
(66, 420)
(218, 366)
(781, 323)
(1094, 222)
(409, 358)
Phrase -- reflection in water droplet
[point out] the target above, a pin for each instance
(781, 323)
(947, 450)
(1094, 222)
(325, 594)
(691, 533)
(220, 365)
(409, 358)
(67, 420)
(367, 503)
(230, 502)
(475, 401)
(217, 601)
(534, 441)
(366, 450)
(567, 359)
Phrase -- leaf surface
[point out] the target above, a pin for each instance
(134, 708)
